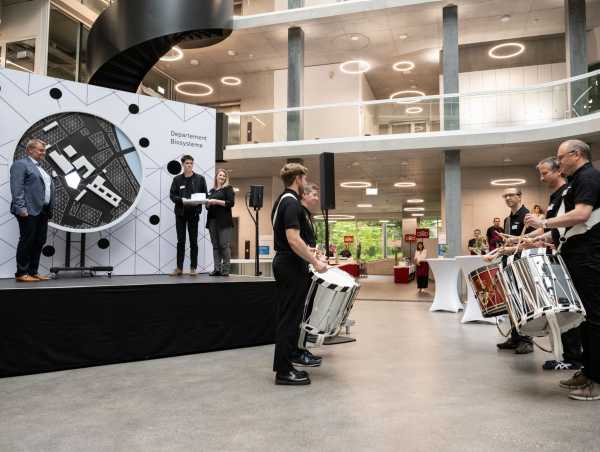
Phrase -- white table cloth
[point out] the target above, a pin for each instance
(472, 311)
(445, 272)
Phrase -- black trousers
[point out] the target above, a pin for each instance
(584, 267)
(187, 221)
(293, 281)
(571, 342)
(33, 231)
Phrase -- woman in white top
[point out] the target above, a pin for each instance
(422, 267)
(538, 212)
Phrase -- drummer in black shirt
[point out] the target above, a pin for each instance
(581, 253)
(290, 268)
(550, 175)
(513, 225)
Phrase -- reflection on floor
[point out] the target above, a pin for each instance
(414, 381)
(378, 287)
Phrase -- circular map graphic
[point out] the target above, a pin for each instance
(96, 170)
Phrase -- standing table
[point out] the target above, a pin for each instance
(445, 272)
(472, 311)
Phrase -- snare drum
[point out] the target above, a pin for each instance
(540, 291)
(328, 304)
(489, 290)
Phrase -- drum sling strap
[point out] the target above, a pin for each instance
(285, 195)
(581, 228)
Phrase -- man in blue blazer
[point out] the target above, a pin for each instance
(32, 192)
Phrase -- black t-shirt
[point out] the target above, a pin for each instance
(556, 200)
(584, 188)
(473, 244)
(307, 229)
(290, 215)
(514, 223)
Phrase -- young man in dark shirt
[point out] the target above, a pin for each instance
(187, 216)
(290, 268)
(581, 253)
(513, 225)
(493, 234)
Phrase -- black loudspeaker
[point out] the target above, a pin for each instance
(247, 249)
(327, 181)
(256, 196)
(221, 136)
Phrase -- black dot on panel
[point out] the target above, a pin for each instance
(174, 167)
(134, 109)
(103, 243)
(144, 142)
(55, 93)
(154, 219)
(48, 251)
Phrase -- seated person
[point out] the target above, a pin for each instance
(477, 245)
(346, 253)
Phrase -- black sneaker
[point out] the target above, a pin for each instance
(560, 365)
(304, 359)
(507, 345)
(524, 348)
(313, 356)
(215, 273)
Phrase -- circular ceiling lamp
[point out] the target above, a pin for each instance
(364, 205)
(356, 184)
(415, 201)
(405, 184)
(508, 182)
(410, 94)
(335, 216)
(231, 81)
(414, 209)
(517, 49)
(179, 88)
(355, 67)
(414, 110)
(174, 54)
(403, 66)
(384, 221)
(418, 214)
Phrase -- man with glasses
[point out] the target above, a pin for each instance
(514, 225)
(581, 253)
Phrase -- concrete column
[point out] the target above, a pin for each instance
(295, 129)
(450, 66)
(576, 48)
(293, 4)
(452, 202)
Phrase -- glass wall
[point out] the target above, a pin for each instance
(20, 55)
(63, 46)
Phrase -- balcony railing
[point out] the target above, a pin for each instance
(486, 110)
(253, 7)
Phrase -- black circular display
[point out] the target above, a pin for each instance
(174, 167)
(55, 93)
(48, 251)
(96, 170)
(134, 109)
(103, 243)
(144, 142)
(154, 219)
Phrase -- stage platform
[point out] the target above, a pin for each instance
(77, 322)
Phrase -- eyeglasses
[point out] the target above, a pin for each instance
(560, 157)
(509, 195)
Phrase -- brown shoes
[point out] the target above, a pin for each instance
(26, 278)
(41, 277)
(176, 272)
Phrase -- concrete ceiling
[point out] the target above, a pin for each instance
(379, 37)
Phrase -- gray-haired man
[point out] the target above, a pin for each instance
(32, 193)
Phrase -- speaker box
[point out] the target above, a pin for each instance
(247, 249)
(327, 181)
(221, 136)
(256, 196)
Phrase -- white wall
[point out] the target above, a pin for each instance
(322, 85)
(593, 45)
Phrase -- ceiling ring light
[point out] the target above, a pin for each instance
(335, 216)
(364, 205)
(508, 182)
(362, 67)
(418, 214)
(403, 66)
(178, 55)
(356, 184)
(415, 201)
(209, 89)
(231, 81)
(411, 95)
(519, 49)
(405, 184)
(414, 110)
(414, 209)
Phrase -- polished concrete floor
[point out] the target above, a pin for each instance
(380, 287)
(413, 381)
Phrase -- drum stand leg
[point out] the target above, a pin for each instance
(555, 336)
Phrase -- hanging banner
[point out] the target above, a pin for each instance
(422, 233)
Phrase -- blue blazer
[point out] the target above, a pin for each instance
(27, 188)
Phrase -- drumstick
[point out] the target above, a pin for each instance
(520, 238)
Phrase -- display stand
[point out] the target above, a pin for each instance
(82, 269)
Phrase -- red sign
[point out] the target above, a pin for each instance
(348, 239)
(410, 238)
(422, 233)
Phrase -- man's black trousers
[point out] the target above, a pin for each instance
(584, 266)
(187, 221)
(33, 230)
(293, 282)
